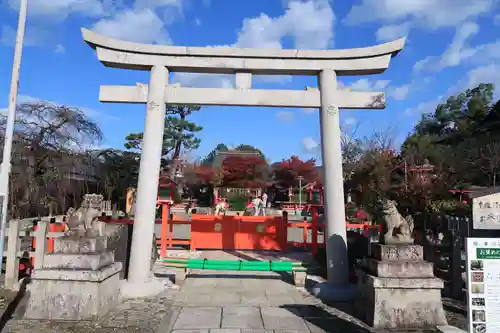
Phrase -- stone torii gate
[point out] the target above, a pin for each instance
(160, 60)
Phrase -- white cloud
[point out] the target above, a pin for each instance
(310, 110)
(204, 80)
(284, 116)
(45, 16)
(482, 74)
(61, 9)
(310, 145)
(392, 31)
(423, 107)
(34, 35)
(141, 4)
(197, 22)
(308, 23)
(350, 121)
(92, 113)
(369, 85)
(400, 93)
(60, 48)
(489, 52)
(456, 52)
(429, 14)
(396, 92)
(134, 25)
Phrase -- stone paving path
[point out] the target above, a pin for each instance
(211, 302)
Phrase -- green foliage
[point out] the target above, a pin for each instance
(461, 138)
(119, 170)
(210, 158)
(249, 148)
(178, 134)
(450, 207)
(238, 202)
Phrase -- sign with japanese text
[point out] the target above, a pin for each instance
(483, 284)
(486, 212)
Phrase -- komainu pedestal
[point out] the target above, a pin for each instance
(397, 289)
(80, 280)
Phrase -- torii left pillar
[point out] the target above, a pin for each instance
(337, 288)
(139, 281)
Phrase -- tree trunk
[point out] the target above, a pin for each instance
(178, 147)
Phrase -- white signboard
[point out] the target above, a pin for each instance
(483, 284)
(486, 212)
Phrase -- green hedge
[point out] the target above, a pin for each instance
(238, 203)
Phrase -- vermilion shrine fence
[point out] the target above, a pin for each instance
(242, 232)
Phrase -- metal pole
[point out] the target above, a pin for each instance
(11, 116)
(300, 193)
(406, 175)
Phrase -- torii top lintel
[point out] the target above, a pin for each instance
(229, 60)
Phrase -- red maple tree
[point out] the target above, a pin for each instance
(199, 174)
(287, 171)
(244, 171)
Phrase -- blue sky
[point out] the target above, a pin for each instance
(452, 45)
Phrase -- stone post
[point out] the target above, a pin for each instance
(336, 237)
(13, 247)
(147, 189)
(41, 244)
(456, 266)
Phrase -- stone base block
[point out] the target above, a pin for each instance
(401, 269)
(74, 244)
(73, 295)
(397, 252)
(299, 279)
(180, 275)
(87, 261)
(399, 303)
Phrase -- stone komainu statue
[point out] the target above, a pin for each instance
(399, 229)
(84, 220)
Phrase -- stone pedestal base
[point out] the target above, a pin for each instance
(73, 294)
(329, 293)
(149, 288)
(399, 303)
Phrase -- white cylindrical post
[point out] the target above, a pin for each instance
(149, 171)
(11, 117)
(300, 193)
(336, 237)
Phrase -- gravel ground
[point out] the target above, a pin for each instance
(456, 313)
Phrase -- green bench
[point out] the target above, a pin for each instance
(297, 269)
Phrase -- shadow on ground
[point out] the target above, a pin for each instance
(319, 320)
(233, 276)
(14, 304)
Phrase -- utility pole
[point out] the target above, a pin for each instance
(5, 167)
